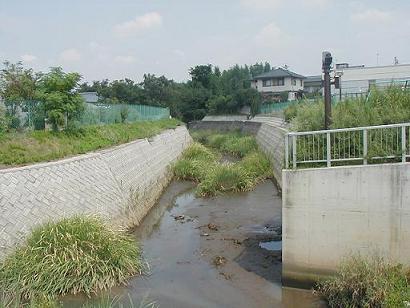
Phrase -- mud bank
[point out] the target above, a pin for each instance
(207, 252)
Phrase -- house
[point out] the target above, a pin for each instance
(89, 97)
(313, 84)
(358, 80)
(279, 83)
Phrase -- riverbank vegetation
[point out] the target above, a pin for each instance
(388, 106)
(37, 146)
(201, 163)
(367, 282)
(75, 255)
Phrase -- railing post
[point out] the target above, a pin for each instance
(294, 157)
(403, 144)
(364, 146)
(328, 150)
(287, 151)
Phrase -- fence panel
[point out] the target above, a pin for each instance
(361, 145)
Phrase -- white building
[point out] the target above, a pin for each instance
(357, 80)
(279, 81)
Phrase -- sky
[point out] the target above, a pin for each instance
(125, 39)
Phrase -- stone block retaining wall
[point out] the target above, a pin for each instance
(120, 184)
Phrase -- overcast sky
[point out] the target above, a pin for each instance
(123, 38)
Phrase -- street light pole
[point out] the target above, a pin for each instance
(326, 63)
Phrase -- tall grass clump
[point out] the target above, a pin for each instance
(201, 164)
(225, 178)
(195, 162)
(366, 282)
(79, 254)
(388, 106)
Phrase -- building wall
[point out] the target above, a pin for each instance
(356, 79)
(120, 184)
(331, 213)
(258, 84)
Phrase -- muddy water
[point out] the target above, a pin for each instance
(217, 252)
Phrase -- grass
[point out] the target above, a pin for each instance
(366, 282)
(79, 254)
(37, 146)
(388, 106)
(201, 164)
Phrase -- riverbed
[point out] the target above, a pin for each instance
(216, 252)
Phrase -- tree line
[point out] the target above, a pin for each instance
(208, 91)
(54, 96)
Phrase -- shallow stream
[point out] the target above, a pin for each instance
(217, 252)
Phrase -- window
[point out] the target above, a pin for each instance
(267, 83)
(293, 81)
(301, 83)
(279, 81)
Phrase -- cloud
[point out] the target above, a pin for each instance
(139, 24)
(124, 59)
(28, 58)
(70, 55)
(179, 53)
(269, 34)
(261, 4)
(372, 16)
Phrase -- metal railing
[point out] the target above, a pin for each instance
(347, 146)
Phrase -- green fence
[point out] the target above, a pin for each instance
(274, 107)
(31, 114)
(107, 114)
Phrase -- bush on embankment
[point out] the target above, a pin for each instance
(366, 282)
(79, 254)
(36, 146)
(388, 106)
(201, 164)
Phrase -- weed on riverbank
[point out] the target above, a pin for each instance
(30, 147)
(200, 163)
(366, 282)
(79, 254)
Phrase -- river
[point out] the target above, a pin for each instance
(216, 252)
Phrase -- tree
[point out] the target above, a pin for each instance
(17, 88)
(201, 74)
(56, 92)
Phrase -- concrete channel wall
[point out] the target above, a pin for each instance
(331, 213)
(120, 184)
(269, 136)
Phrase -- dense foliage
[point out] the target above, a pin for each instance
(59, 101)
(208, 91)
(51, 95)
(79, 254)
(203, 164)
(366, 282)
(381, 107)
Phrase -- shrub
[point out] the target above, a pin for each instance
(3, 121)
(239, 146)
(225, 178)
(192, 170)
(78, 254)
(257, 166)
(362, 282)
(198, 152)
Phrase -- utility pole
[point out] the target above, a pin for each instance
(326, 64)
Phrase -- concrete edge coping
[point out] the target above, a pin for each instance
(93, 154)
(344, 167)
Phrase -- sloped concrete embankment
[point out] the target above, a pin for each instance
(120, 184)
